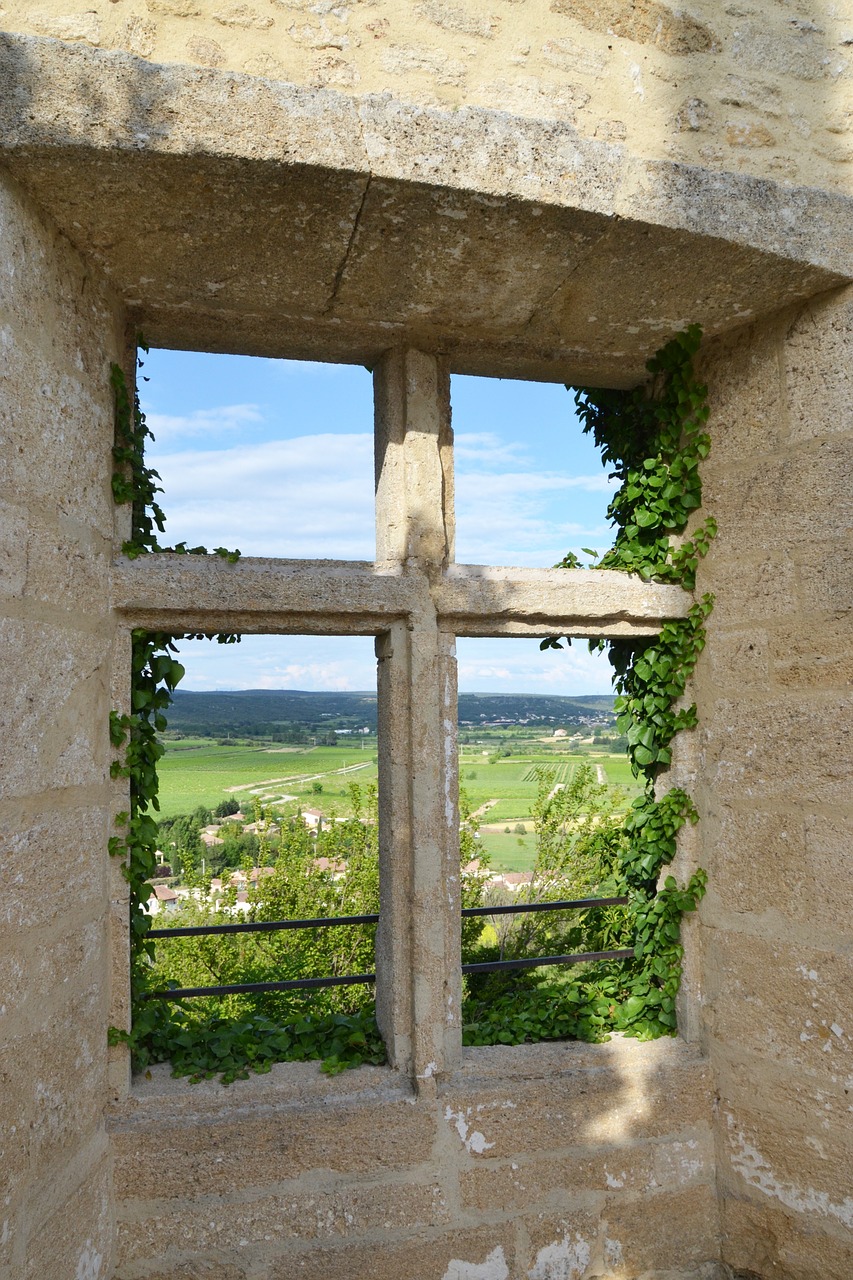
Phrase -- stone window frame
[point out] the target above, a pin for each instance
(415, 600)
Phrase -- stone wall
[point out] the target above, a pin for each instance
(762, 88)
(773, 954)
(548, 1162)
(544, 1162)
(57, 334)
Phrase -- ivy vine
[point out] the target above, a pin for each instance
(654, 439)
(134, 482)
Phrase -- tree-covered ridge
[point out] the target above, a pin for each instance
(246, 710)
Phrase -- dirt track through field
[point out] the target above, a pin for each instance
(297, 777)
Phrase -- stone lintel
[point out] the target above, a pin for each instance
(513, 246)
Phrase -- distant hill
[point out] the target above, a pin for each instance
(528, 706)
(247, 709)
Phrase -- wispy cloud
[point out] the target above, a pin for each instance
(492, 665)
(285, 369)
(512, 510)
(348, 662)
(310, 497)
(486, 448)
(318, 675)
(201, 422)
(281, 662)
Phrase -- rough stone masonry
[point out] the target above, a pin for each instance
(510, 188)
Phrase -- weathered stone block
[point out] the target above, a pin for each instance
(745, 394)
(495, 1122)
(781, 1001)
(197, 1268)
(819, 657)
(636, 1241)
(51, 408)
(803, 1164)
(825, 572)
(57, 706)
(28, 973)
(790, 749)
(60, 1096)
(47, 873)
(764, 589)
(817, 358)
(563, 1245)
(68, 566)
(305, 1210)
(789, 499)
(739, 657)
(485, 1252)
(13, 549)
(781, 879)
(644, 22)
(243, 1150)
(76, 1237)
(762, 1239)
(555, 1184)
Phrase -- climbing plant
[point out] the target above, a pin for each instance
(654, 439)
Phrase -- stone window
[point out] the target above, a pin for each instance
(415, 600)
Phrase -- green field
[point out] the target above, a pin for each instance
(197, 772)
(509, 853)
(202, 771)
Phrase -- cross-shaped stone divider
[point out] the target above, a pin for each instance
(415, 601)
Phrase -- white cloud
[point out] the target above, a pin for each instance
(489, 666)
(314, 368)
(487, 449)
(310, 497)
(529, 517)
(280, 662)
(317, 675)
(526, 484)
(228, 417)
(348, 662)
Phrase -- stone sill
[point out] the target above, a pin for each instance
(296, 1085)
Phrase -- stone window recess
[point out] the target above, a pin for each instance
(415, 600)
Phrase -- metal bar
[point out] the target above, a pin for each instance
(533, 962)
(247, 988)
(260, 926)
(517, 908)
(269, 926)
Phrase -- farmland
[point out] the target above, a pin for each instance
(499, 788)
(200, 771)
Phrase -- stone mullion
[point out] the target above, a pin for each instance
(394, 1005)
(435, 902)
(418, 1000)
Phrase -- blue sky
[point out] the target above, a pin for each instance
(276, 457)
